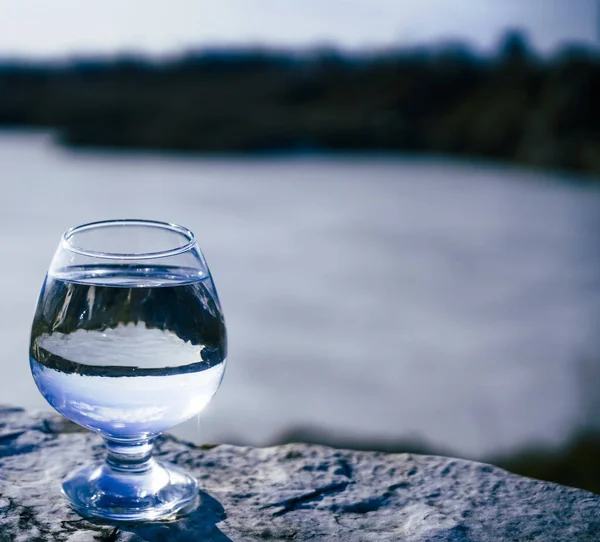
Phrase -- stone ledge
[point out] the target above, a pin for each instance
(294, 492)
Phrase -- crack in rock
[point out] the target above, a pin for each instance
(294, 503)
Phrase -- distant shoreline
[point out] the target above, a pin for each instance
(514, 108)
(562, 175)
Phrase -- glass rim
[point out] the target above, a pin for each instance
(124, 222)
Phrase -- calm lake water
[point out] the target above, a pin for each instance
(374, 298)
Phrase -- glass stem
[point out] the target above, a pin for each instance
(129, 456)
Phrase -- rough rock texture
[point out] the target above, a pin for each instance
(294, 492)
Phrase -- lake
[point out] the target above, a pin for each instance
(371, 297)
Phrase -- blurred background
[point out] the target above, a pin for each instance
(399, 201)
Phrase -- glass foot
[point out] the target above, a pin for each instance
(159, 492)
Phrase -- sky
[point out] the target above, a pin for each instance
(42, 28)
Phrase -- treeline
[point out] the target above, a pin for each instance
(515, 106)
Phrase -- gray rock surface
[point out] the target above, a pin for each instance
(294, 492)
